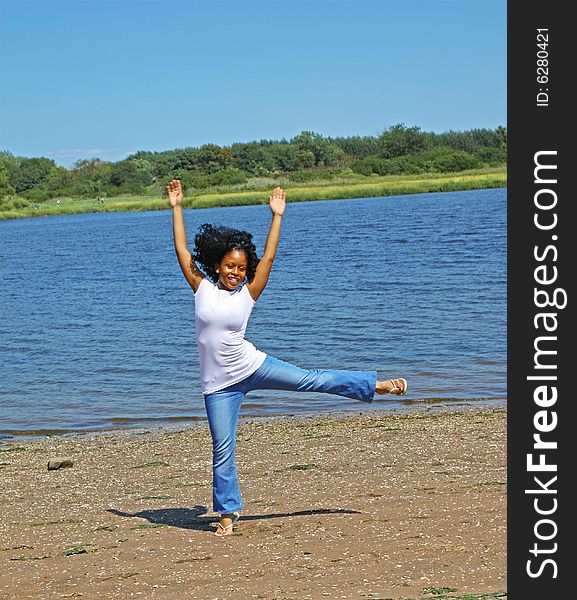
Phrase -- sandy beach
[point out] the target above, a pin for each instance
(362, 506)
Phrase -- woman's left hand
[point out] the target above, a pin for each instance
(277, 201)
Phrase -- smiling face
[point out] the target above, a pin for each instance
(231, 270)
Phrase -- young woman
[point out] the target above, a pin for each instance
(225, 290)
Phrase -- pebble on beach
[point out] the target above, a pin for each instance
(59, 463)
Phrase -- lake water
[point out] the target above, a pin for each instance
(97, 321)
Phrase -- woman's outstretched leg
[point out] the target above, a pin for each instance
(275, 374)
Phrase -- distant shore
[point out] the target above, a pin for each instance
(365, 505)
(392, 185)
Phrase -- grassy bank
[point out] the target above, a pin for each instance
(375, 186)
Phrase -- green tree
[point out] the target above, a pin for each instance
(145, 168)
(58, 180)
(399, 165)
(89, 177)
(32, 172)
(356, 147)
(185, 159)
(129, 176)
(492, 156)
(501, 135)
(5, 188)
(11, 164)
(252, 158)
(399, 140)
(289, 157)
(87, 164)
(210, 158)
(471, 140)
(324, 153)
(445, 160)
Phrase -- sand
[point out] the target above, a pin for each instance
(360, 506)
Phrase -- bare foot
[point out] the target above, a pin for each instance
(397, 387)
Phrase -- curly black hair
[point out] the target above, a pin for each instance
(212, 243)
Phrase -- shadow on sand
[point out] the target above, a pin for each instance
(195, 517)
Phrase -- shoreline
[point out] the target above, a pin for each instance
(378, 408)
(396, 506)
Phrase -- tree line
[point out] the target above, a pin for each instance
(308, 156)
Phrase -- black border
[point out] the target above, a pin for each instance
(531, 129)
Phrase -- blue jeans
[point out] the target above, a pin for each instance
(223, 407)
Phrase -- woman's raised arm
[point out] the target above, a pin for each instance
(191, 272)
(277, 203)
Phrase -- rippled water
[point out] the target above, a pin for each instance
(97, 322)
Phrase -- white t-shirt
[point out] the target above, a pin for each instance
(221, 317)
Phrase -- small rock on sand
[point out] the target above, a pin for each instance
(59, 463)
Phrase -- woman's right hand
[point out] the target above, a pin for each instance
(174, 189)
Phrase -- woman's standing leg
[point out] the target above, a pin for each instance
(222, 409)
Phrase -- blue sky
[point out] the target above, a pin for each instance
(94, 78)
